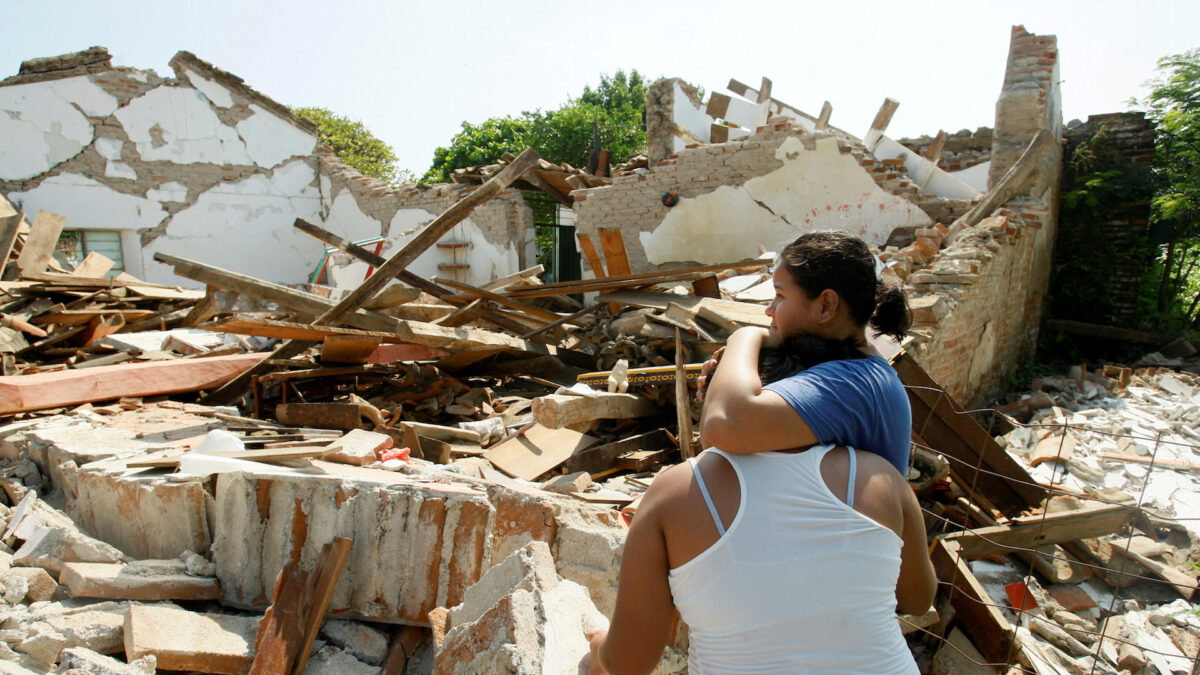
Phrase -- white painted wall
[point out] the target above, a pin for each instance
(243, 224)
(814, 190)
(40, 125)
(923, 172)
(246, 226)
(689, 116)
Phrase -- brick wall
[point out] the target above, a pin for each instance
(963, 149)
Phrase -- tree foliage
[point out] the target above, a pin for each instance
(355, 145)
(616, 110)
(1173, 105)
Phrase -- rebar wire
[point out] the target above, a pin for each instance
(1055, 488)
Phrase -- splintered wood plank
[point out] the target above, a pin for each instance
(39, 246)
(941, 422)
(1034, 531)
(589, 252)
(975, 608)
(722, 312)
(280, 631)
(74, 317)
(313, 451)
(93, 265)
(614, 251)
(537, 451)
(347, 348)
(291, 330)
(71, 387)
(329, 568)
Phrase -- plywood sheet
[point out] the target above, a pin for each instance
(537, 451)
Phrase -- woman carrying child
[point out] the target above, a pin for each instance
(785, 558)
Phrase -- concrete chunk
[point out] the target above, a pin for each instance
(359, 447)
(141, 580)
(182, 640)
(86, 660)
(536, 625)
(49, 546)
(367, 644)
(39, 585)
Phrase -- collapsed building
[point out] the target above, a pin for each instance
(474, 554)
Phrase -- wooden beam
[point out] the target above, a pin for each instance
(683, 409)
(558, 322)
(973, 606)
(1034, 531)
(823, 118)
(941, 422)
(1014, 180)
(501, 300)
(289, 330)
(884, 117)
(637, 279)
(499, 318)
(366, 256)
(389, 269)
(71, 387)
(615, 260)
(556, 411)
(1095, 330)
(281, 630)
(589, 252)
(934, 152)
(329, 568)
(503, 282)
(264, 290)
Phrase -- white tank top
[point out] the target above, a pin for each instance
(800, 583)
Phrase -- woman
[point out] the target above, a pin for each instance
(801, 573)
(825, 285)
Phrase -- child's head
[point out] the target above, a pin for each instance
(843, 263)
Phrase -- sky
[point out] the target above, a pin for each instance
(413, 72)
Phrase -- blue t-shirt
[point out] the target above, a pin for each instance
(859, 403)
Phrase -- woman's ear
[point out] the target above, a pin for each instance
(828, 303)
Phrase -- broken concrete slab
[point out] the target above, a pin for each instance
(367, 644)
(183, 640)
(37, 583)
(433, 534)
(520, 618)
(139, 580)
(330, 660)
(48, 547)
(92, 662)
(46, 632)
(359, 447)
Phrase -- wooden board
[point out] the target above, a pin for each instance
(95, 264)
(721, 312)
(603, 457)
(589, 252)
(556, 411)
(940, 421)
(261, 455)
(329, 568)
(75, 317)
(39, 247)
(281, 630)
(72, 387)
(348, 348)
(537, 451)
(344, 416)
(1034, 531)
(973, 606)
(614, 251)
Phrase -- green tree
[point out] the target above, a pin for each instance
(478, 144)
(355, 145)
(616, 110)
(1173, 105)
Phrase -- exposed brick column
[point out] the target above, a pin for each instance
(1029, 101)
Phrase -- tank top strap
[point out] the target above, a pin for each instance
(850, 477)
(712, 508)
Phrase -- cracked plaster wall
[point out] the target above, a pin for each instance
(203, 167)
(740, 197)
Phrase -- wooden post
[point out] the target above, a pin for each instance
(683, 410)
(884, 117)
(823, 118)
(1013, 182)
(934, 152)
